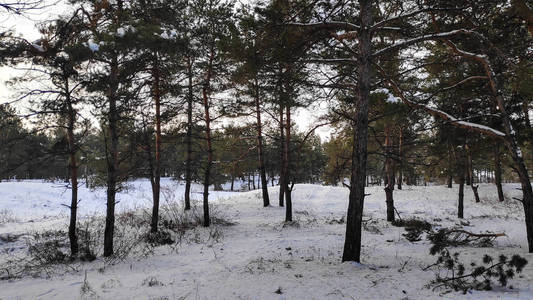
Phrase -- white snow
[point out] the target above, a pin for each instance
(168, 34)
(519, 152)
(390, 97)
(93, 46)
(259, 255)
(486, 128)
(63, 55)
(465, 123)
(121, 32)
(34, 199)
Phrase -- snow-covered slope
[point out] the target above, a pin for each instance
(259, 255)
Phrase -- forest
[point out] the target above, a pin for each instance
(189, 126)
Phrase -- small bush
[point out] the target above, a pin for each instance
(413, 223)
(132, 238)
(151, 282)
(161, 237)
(414, 228)
(177, 224)
(48, 252)
(333, 220)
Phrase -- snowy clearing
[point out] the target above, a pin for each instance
(260, 258)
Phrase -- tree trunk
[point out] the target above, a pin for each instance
(253, 180)
(112, 151)
(400, 157)
(188, 139)
(232, 178)
(352, 244)
(470, 169)
(468, 166)
(86, 175)
(112, 159)
(262, 169)
(282, 145)
(450, 166)
(389, 175)
(498, 172)
(73, 167)
(205, 94)
(460, 206)
(518, 159)
(529, 130)
(156, 186)
(470, 175)
(476, 193)
(286, 166)
(112, 169)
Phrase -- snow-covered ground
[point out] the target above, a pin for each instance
(259, 256)
(34, 199)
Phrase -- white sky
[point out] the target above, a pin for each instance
(25, 26)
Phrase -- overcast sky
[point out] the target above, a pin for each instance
(26, 26)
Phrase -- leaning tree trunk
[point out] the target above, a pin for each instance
(518, 159)
(156, 186)
(73, 167)
(262, 169)
(509, 138)
(389, 175)
(498, 172)
(188, 138)
(352, 244)
(286, 166)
